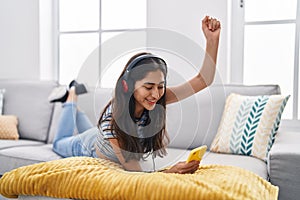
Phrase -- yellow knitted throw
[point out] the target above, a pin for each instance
(91, 178)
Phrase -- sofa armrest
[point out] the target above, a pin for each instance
(284, 164)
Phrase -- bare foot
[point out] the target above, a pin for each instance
(72, 97)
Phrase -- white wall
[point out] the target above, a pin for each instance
(47, 42)
(19, 39)
(185, 18)
(20, 45)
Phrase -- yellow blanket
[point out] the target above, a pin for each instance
(91, 178)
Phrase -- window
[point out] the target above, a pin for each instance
(84, 24)
(267, 47)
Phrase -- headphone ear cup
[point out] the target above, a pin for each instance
(125, 86)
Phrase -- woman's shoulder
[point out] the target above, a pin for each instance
(107, 112)
(105, 125)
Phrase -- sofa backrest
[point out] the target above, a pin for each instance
(190, 123)
(28, 101)
(194, 121)
(91, 103)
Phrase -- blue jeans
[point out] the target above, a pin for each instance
(65, 143)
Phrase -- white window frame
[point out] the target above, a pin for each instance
(57, 33)
(237, 21)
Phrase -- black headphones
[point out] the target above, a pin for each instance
(133, 65)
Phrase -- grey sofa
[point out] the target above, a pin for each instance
(190, 123)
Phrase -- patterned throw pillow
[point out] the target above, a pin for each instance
(1, 100)
(249, 125)
(8, 127)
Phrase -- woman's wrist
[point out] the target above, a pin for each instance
(167, 170)
(212, 43)
(212, 49)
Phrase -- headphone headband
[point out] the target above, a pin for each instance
(135, 61)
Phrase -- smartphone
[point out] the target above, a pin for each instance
(197, 154)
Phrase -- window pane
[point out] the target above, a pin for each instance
(120, 14)
(269, 57)
(263, 10)
(76, 15)
(74, 50)
(111, 72)
(299, 87)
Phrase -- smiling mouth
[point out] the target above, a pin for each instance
(151, 102)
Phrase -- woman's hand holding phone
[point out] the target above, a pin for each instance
(191, 164)
(197, 154)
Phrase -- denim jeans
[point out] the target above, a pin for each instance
(65, 143)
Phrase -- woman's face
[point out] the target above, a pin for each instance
(148, 91)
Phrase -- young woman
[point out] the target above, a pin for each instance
(132, 125)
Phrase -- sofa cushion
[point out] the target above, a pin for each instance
(12, 158)
(195, 120)
(15, 143)
(255, 165)
(175, 155)
(284, 164)
(249, 124)
(28, 101)
(8, 127)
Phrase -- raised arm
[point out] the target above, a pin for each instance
(211, 29)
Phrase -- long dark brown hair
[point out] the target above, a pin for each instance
(125, 129)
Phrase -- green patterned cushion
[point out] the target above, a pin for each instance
(249, 125)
